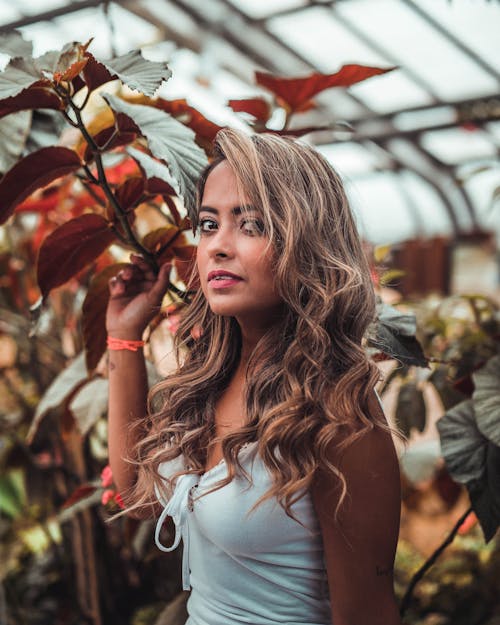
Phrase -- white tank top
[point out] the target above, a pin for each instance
(261, 568)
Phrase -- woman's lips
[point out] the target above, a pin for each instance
(222, 279)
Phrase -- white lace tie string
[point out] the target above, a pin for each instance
(178, 508)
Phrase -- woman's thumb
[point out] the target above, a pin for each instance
(162, 280)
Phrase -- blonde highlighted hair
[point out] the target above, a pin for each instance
(309, 382)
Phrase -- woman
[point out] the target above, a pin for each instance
(268, 445)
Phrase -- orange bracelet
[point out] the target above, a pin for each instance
(132, 346)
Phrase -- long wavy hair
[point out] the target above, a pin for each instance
(309, 382)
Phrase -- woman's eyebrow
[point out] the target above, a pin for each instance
(237, 210)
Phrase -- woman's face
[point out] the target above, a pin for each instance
(235, 262)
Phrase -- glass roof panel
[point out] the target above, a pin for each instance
(259, 9)
(480, 188)
(476, 23)
(410, 38)
(8, 12)
(456, 145)
(29, 7)
(410, 120)
(318, 37)
(349, 158)
(382, 213)
(171, 15)
(434, 218)
(390, 92)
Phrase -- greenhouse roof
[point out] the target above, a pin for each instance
(414, 135)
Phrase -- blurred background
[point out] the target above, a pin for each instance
(418, 151)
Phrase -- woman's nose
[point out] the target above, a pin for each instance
(221, 243)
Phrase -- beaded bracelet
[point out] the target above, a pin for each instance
(116, 344)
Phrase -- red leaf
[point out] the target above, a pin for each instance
(159, 242)
(296, 92)
(130, 192)
(33, 172)
(257, 107)
(184, 261)
(189, 116)
(127, 132)
(157, 186)
(35, 97)
(72, 72)
(44, 204)
(95, 73)
(77, 495)
(94, 315)
(71, 247)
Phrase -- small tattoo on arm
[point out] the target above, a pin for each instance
(383, 572)
(112, 366)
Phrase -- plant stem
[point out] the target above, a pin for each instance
(102, 181)
(405, 602)
(119, 212)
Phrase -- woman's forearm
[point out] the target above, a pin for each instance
(128, 389)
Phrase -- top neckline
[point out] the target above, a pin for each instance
(222, 462)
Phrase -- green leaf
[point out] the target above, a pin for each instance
(394, 334)
(410, 408)
(19, 74)
(400, 323)
(485, 493)
(59, 60)
(90, 403)
(137, 72)
(58, 391)
(462, 444)
(486, 398)
(14, 131)
(13, 44)
(13, 493)
(168, 140)
(153, 168)
(448, 394)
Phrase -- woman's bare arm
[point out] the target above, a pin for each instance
(135, 297)
(360, 545)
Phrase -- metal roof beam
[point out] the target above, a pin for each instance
(45, 16)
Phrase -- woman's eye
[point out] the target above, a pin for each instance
(207, 225)
(253, 227)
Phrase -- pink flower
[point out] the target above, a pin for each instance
(106, 476)
(107, 496)
(119, 501)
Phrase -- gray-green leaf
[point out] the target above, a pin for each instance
(486, 398)
(485, 494)
(153, 168)
(168, 140)
(61, 387)
(137, 72)
(393, 333)
(13, 44)
(410, 408)
(19, 74)
(14, 131)
(462, 444)
(400, 323)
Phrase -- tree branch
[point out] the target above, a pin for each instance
(405, 602)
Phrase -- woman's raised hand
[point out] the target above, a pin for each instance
(135, 298)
